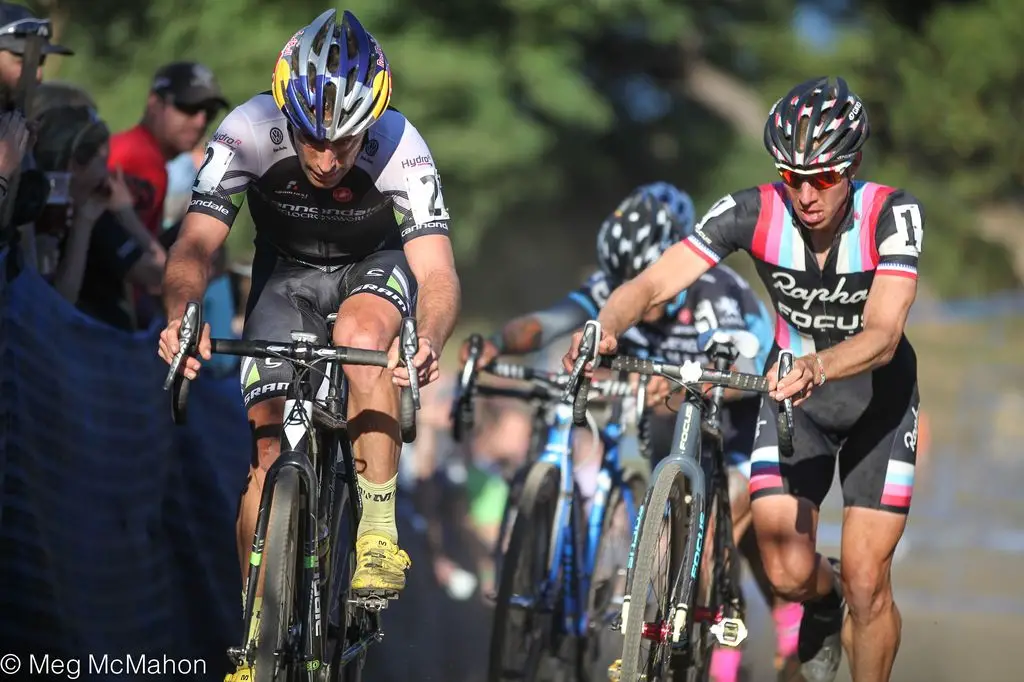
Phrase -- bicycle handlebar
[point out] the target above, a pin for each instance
(545, 386)
(688, 373)
(303, 348)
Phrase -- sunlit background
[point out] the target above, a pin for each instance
(542, 114)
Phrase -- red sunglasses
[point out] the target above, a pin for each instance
(822, 180)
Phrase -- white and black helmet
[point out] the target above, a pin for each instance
(818, 124)
(647, 222)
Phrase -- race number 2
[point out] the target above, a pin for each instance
(215, 165)
(425, 198)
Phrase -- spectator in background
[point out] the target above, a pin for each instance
(17, 22)
(14, 138)
(183, 100)
(181, 173)
(56, 94)
(98, 244)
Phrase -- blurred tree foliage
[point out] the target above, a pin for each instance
(543, 113)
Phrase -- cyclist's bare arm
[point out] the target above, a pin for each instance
(440, 296)
(677, 269)
(190, 259)
(885, 317)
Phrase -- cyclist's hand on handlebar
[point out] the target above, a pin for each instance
(606, 346)
(425, 361)
(798, 384)
(169, 347)
(488, 351)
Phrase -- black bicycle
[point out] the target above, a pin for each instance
(309, 511)
(691, 599)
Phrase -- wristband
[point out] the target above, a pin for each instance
(821, 370)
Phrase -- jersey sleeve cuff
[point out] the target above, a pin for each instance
(897, 270)
(703, 250)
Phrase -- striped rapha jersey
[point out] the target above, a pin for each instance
(816, 307)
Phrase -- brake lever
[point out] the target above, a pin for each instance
(462, 407)
(409, 345)
(784, 420)
(187, 339)
(587, 353)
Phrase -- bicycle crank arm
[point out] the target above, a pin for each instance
(359, 647)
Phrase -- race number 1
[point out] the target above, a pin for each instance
(909, 227)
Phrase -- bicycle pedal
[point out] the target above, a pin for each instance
(615, 671)
(373, 601)
(729, 632)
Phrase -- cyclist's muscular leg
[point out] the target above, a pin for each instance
(372, 322)
(871, 631)
(786, 529)
(265, 419)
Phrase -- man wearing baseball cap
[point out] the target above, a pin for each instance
(16, 24)
(183, 100)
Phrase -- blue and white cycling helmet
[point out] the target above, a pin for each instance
(648, 221)
(332, 79)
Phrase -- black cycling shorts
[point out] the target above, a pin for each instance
(287, 296)
(868, 422)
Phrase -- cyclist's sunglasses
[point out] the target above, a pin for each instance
(822, 179)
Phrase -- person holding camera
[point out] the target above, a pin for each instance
(91, 243)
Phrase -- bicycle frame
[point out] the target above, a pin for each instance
(316, 463)
(565, 555)
(688, 453)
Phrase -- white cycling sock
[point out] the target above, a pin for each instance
(378, 508)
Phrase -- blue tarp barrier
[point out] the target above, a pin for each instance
(116, 527)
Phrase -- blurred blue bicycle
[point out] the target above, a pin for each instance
(562, 576)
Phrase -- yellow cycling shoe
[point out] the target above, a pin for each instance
(380, 566)
(243, 674)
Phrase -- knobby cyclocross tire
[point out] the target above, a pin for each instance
(281, 561)
(608, 582)
(666, 501)
(524, 633)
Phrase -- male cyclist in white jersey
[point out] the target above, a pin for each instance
(349, 219)
(839, 258)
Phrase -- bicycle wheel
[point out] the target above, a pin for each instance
(508, 517)
(658, 554)
(608, 581)
(282, 562)
(522, 627)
